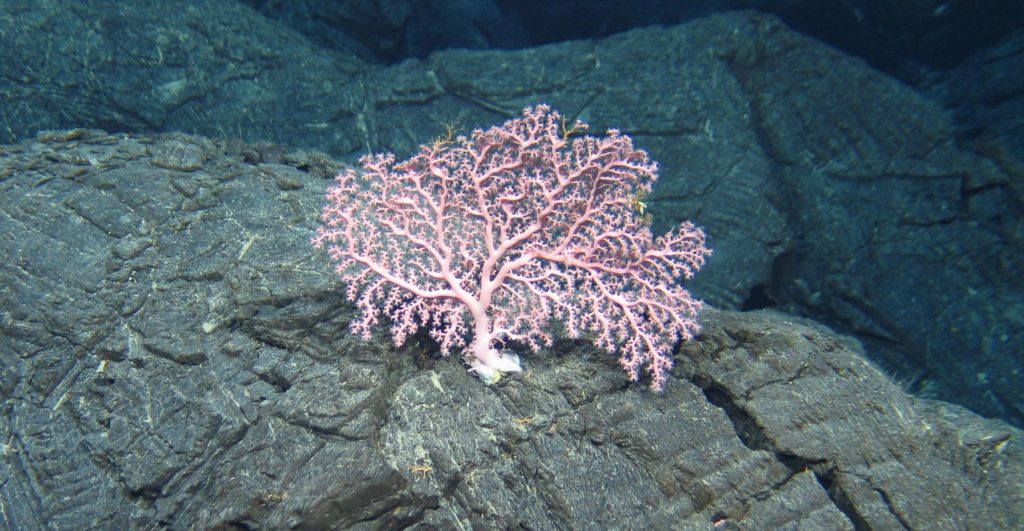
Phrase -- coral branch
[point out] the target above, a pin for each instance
(503, 233)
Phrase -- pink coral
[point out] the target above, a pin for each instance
(501, 235)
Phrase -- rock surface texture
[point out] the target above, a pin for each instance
(173, 353)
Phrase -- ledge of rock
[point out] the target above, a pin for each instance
(174, 353)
